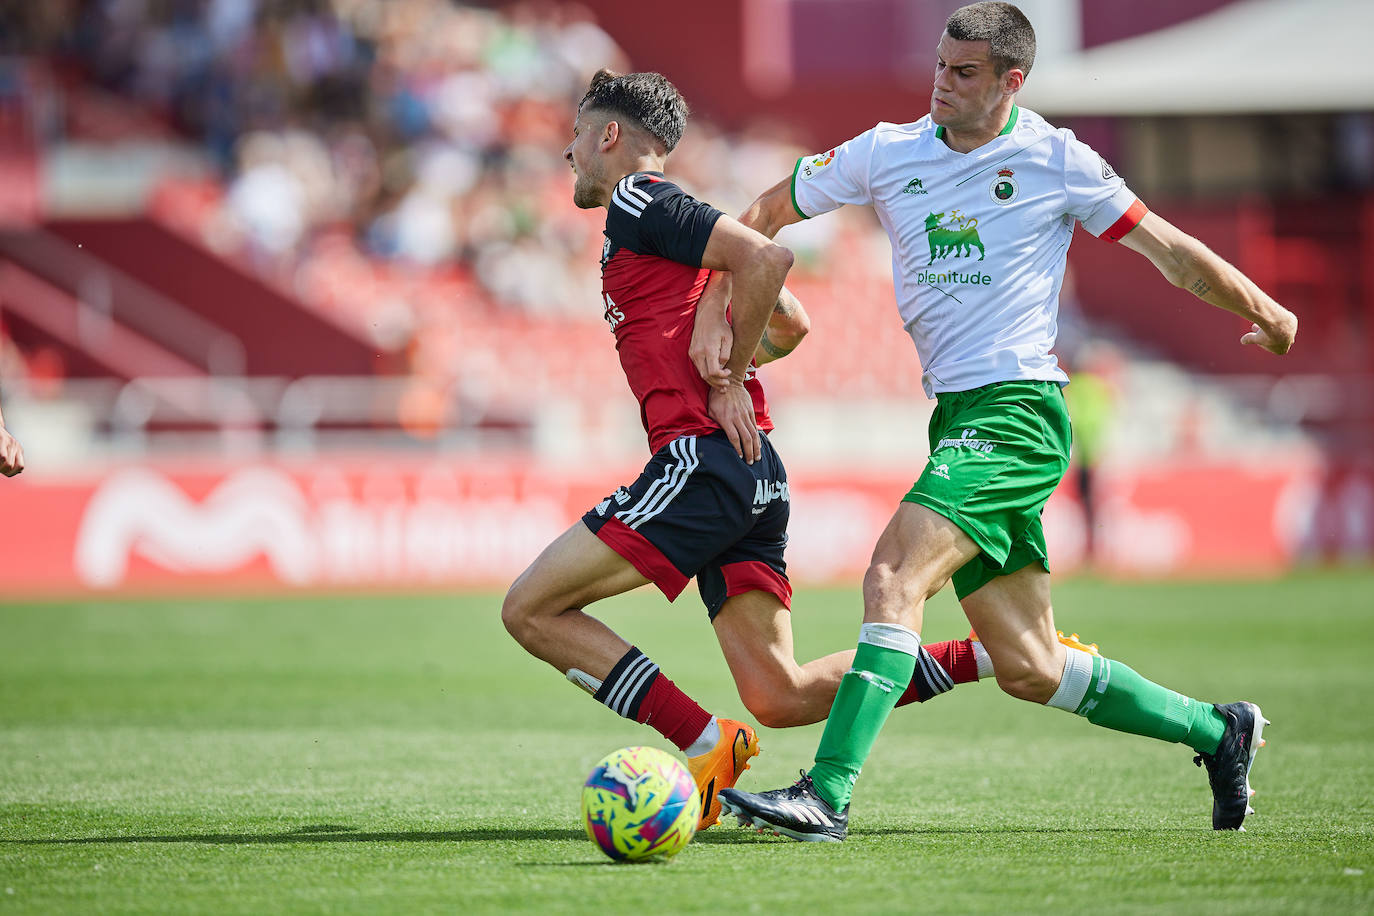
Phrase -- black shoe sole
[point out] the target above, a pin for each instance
(762, 826)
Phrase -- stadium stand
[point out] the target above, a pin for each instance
(319, 257)
(386, 186)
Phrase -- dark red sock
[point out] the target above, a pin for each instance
(953, 663)
(672, 713)
(637, 690)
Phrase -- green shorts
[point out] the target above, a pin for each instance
(996, 455)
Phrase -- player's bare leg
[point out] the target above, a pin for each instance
(755, 633)
(913, 559)
(1014, 619)
(917, 553)
(1015, 622)
(543, 611)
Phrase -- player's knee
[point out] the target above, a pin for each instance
(1025, 679)
(518, 613)
(888, 585)
(771, 702)
(772, 712)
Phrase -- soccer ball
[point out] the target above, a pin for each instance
(640, 802)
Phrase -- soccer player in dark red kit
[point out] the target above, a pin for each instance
(713, 501)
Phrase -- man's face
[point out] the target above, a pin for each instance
(967, 88)
(584, 156)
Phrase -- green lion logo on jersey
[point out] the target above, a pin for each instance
(956, 236)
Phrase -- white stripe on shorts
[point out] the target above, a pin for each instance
(663, 490)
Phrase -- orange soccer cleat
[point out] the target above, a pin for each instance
(719, 767)
(1072, 641)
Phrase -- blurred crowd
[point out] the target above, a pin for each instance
(427, 132)
(398, 163)
(420, 128)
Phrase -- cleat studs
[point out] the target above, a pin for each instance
(1252, 793)
(1263, 742)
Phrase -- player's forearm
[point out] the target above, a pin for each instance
(772, 210)
(787, 326)
(715, 297)
(1217, 282)
(756, 291)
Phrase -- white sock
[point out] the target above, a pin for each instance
(980, 655)
(1073, 684)
(706, 740)
(891, 636)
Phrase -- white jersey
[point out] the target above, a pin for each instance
(979, 239)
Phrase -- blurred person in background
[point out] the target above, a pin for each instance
(979, 200)
(1091, 401)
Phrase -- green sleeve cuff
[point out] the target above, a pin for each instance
(795, 169)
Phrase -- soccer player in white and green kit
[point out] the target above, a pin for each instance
(979, 200)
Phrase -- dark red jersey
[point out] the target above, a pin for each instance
(651, 281)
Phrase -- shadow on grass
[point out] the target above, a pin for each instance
(336, 833)
(753, 836)
(321, 833)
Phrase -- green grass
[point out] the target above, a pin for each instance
(401, 754)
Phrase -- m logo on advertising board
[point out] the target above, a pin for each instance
(316, 528)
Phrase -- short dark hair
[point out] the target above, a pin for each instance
(1010, 38)
(647, 99)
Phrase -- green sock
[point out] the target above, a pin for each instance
(1111, 694)
(868, 692)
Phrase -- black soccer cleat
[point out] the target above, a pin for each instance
(797, 812)
(1229, 769)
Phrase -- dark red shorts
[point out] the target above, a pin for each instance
(699, 510)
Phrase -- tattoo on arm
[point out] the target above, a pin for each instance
(784, 308)
(772, 349)
(1200, 288)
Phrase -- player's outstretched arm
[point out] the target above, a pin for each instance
(11, 454)
(788, 324)
(1188, 263)
(772, 210)
(758, 268)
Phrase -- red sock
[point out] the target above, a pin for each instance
(672, 713)
(940, 666)
(637, 690)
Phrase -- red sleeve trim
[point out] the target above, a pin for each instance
(1129, 220)
(751, 575)
(643, 556)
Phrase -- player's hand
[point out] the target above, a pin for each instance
(1277, 338)
(712, 338)
(733, 408)
(11, 454)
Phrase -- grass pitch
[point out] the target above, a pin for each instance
(401, 754)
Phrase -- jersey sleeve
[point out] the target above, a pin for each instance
(1098, 197)
(829, 180)
(651, 215)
